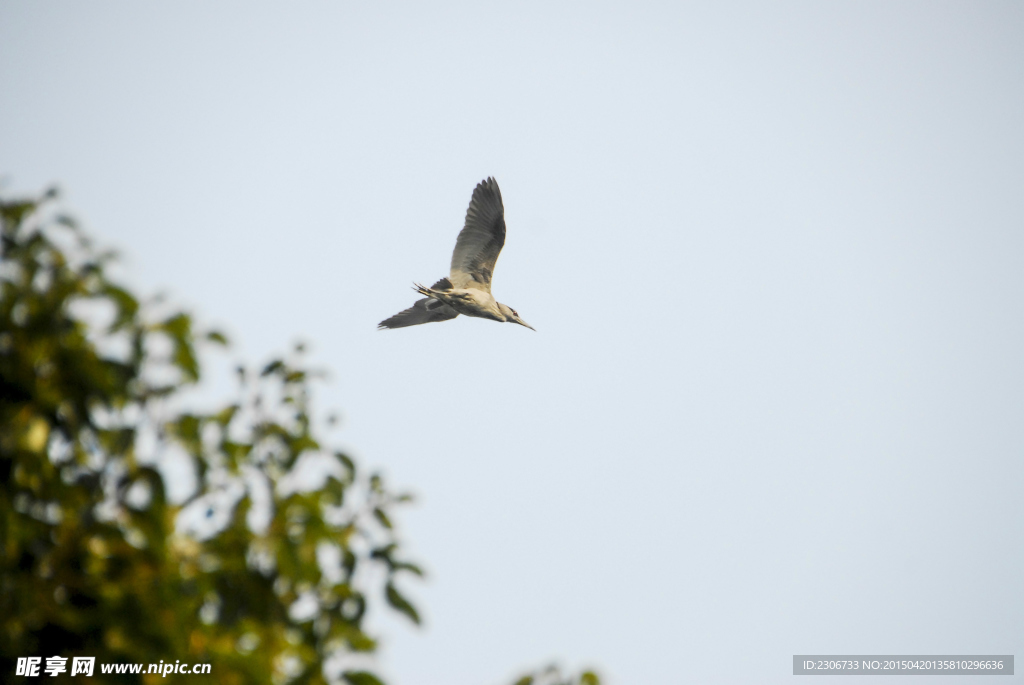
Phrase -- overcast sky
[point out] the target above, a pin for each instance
(774, 253)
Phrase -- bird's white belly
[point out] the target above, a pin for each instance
(472, 302)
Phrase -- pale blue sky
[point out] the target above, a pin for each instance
(774, 254)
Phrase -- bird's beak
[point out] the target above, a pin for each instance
(523, 323)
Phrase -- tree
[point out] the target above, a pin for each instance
(95, 561)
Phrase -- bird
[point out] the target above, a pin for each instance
(467, 288)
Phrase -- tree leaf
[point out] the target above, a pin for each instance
(347, 462)
(217, 337)
(178, 326)
(361, 678)
(273, 366)
(407, 566)
(127, 306)
(400, 603)
(379, 514)
(224, 416)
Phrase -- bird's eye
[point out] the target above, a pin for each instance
(515, 313)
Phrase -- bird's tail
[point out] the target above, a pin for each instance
(443, 284)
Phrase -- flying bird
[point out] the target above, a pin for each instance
(467, 289)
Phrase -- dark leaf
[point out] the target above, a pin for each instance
(127, 306)
(384, 552)
(347, 463)
(217, 337)
(407, 566)
(273, 366)
(178, 326)
(361, 678)
(382, 517)
(400, 603)
(224, 416)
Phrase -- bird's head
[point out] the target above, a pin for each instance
(511, 316)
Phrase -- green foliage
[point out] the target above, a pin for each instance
(94, 559)
(552, 675)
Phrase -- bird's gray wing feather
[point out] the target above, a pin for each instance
(426, 310)
(480, 240)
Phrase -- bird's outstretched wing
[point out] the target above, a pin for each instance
(426, 310)
(480, 240)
